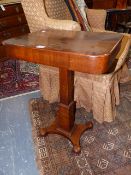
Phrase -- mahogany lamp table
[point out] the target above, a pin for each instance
(70, 51)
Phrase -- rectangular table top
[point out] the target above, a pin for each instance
(90, 52)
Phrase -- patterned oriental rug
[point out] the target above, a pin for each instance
(106, 150)
(14, 82)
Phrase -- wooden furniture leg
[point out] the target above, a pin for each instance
(64, 123)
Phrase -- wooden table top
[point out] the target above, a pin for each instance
(90, 52)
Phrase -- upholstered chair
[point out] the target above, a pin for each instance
(96, 93)
(37, 15)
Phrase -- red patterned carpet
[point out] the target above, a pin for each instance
(13, 82)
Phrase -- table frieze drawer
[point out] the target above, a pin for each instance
(10, 10)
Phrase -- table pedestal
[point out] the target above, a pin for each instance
(64, 123)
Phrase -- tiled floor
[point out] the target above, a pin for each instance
(17, 156)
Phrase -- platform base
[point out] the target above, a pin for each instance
(74, 135)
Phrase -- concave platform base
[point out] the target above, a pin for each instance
(74, 135)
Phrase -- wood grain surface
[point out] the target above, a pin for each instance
(89, 52)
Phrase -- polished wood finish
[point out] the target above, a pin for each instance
(8, 22)
(121, 4)
(12, 23)
(117, 12)
(107, 4)
(69, 51)
(79, 51)
(116, 17)
(11, 9)
(89, 3)
(104, 4)
(128, 2)
(12, 32)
